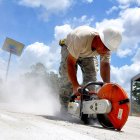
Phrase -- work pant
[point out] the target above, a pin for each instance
(88, 67)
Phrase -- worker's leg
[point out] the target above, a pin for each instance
(65, 90)
(89, 67)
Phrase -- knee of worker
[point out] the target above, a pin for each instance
(87, 77)
(90, 78)
(63, 69)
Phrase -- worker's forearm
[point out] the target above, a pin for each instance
(72, 73)
(105, 71)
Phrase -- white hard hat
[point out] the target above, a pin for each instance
(111, 38)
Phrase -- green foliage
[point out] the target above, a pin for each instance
(39, 74)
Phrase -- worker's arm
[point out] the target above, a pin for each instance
(72, 72)
(105, 71)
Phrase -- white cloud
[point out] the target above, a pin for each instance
(112, 9)
(88, 1)
(123, 75)
(49, 7)
(123, 4)
(131, 21)
(113, 23)
(47, 4)
(83, 20)
(62, 31)
(124, 52)
(128, 22)
(39, 52)
(126, 2)
(136, 58)
(30, 3)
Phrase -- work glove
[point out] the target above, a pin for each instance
(62, 42)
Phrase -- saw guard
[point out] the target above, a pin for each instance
(120, 110)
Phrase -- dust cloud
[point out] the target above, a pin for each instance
(28, 96)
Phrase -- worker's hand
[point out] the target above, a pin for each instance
(76, 91)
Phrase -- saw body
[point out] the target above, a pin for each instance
(110, 103)
(96, 106)
(90, 107)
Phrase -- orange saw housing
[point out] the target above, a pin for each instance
(120, 104)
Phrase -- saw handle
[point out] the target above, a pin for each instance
(85, 91)
(93, 83)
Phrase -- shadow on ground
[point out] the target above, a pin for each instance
(68, 118)
(65, 117)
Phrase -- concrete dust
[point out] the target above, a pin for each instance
(29, 96)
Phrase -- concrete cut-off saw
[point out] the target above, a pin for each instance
(110, 103)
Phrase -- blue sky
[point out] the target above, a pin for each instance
(39, 24)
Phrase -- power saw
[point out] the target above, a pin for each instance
(110, 104)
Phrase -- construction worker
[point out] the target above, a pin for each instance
(81, 47)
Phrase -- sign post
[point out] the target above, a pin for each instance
(8, 65)
(13, 47)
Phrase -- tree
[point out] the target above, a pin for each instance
(40, 75)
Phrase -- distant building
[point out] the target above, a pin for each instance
(135, 78)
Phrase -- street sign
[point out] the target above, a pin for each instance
(12, 46)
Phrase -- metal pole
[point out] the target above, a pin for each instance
(8, 66)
